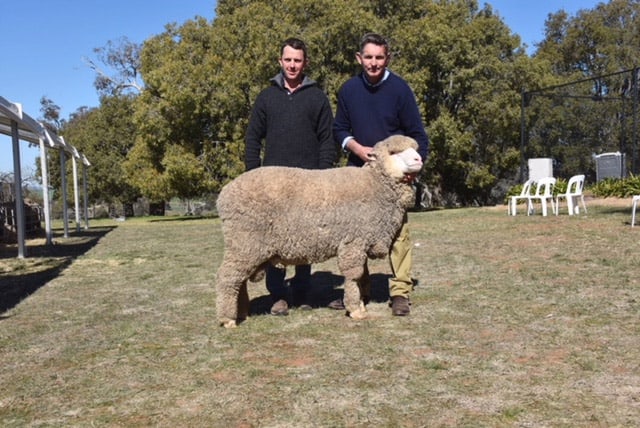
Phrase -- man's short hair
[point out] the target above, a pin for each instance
(295, 44)
(376, 39)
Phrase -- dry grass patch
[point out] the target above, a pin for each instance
(516, 321)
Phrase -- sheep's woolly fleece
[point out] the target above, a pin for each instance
(288, 216)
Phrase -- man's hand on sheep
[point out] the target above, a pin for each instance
(363, 152)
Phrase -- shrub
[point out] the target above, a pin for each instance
(616, 187)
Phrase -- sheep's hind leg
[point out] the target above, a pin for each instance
(243, 302)
(364, 283)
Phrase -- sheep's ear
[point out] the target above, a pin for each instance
(371, 156)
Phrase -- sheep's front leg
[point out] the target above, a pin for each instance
(352, 265)
(353, 301)
(231, 291)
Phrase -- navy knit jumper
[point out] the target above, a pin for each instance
(372, 113)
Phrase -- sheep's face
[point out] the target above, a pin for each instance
(407, 162)
(397, 155)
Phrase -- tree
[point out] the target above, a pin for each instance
(201, 80)
(180, 106)
(105, 135)
(185, 175)
(594, 42)
(52, 121)
(465, 66)
(51, 113)
(594, 113)
(123, 58)
(467, 70)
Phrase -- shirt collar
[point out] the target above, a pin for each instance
(386, 74)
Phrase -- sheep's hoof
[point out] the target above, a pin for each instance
(228, 324)
(359, 313)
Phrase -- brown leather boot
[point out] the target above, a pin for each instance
(280, 308)
(400, 306)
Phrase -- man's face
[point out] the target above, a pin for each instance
(292, 62)
(374, 61)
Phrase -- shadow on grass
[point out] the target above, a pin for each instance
(625, 211)
(614, 210)
(182, 218)
(324, 288)
(42, 264)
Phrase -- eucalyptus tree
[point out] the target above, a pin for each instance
(117, 67)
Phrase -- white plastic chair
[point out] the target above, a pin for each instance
(636, 198)
(524, 195)
(573, 193)
(544, 193)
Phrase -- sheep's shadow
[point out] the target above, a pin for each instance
(324, 288)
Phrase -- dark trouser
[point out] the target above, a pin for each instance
(275, 281)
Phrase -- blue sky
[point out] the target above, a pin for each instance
(44, 43)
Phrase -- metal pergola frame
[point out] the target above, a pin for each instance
(526, 96)
(20, 126)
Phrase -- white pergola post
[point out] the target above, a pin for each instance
(17, 182)
(85, 165)
(76, 195)
(45, 193)
(63, 184)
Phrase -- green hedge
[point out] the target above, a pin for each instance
(615, 187)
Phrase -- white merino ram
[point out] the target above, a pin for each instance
(290, 216)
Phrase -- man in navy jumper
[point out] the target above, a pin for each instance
(293, 117)
(372, 106)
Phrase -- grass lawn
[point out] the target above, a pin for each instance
(516, 321)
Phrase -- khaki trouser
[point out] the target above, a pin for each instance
(400, 257)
